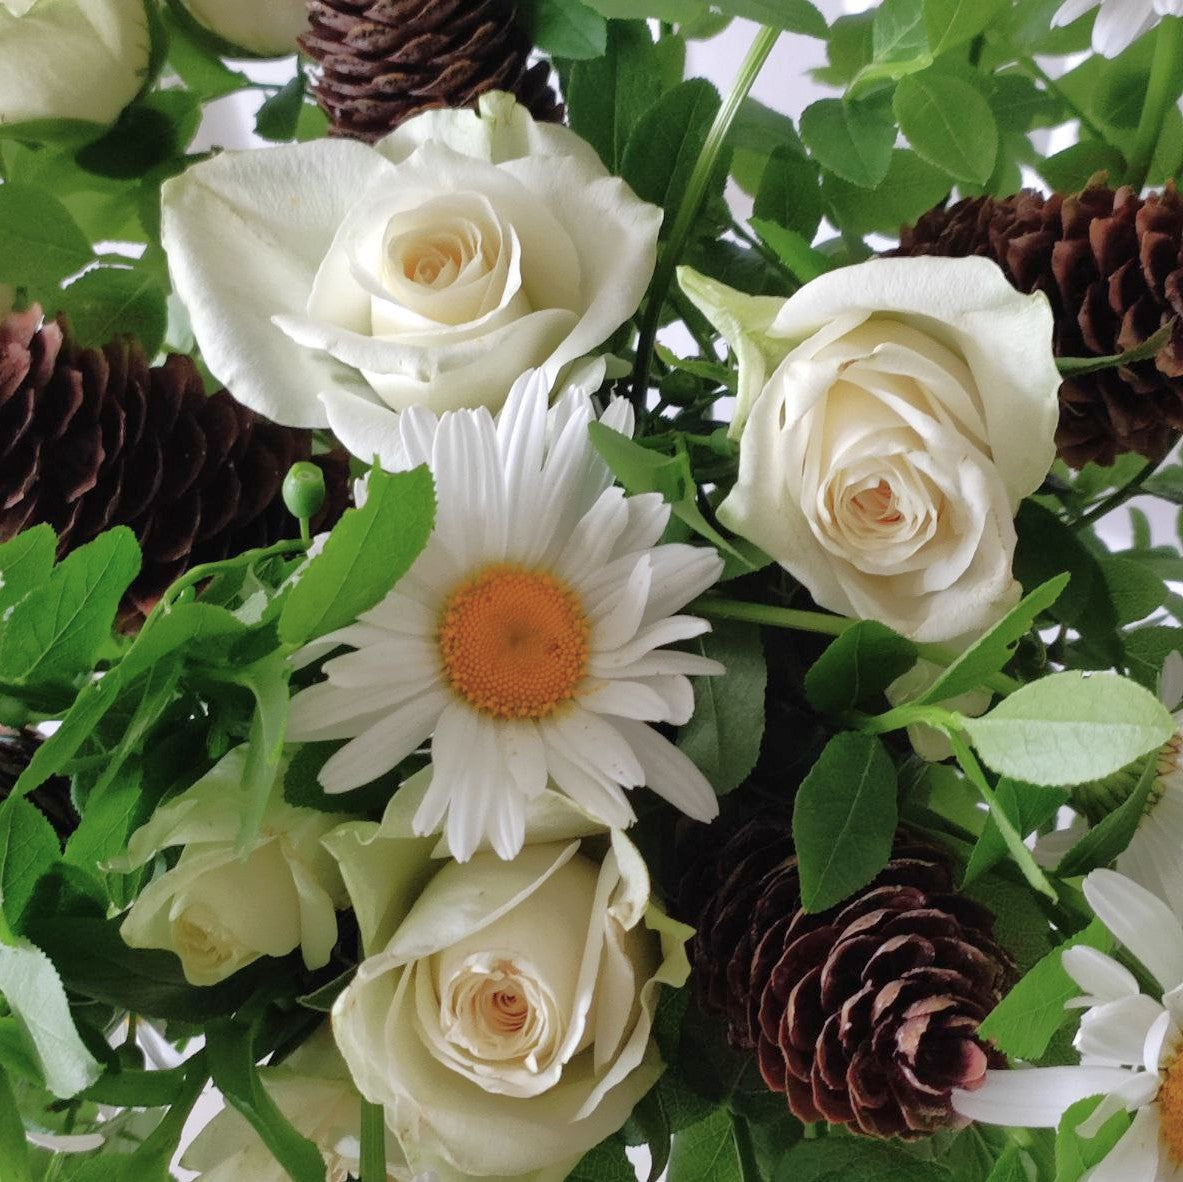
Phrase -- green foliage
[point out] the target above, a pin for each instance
(949, 124)
(567, 28)
(40, 243)
(707, 1152)
(844, 819)
(723, 736)
(1069, 728)
(1025, 1021)
(854, 140)
(846, 1159)
(1075, 1155)
(857, 668)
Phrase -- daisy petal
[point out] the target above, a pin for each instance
(670, 773)
(1136, 1155)
(1036, 1098)
(1140, 921)
(1099, 975)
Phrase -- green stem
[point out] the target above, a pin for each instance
(1053, 87)
(745, 1150)
(1119, 497)
(903, 717)
(373, 1143)
(1161, 95)
(769, 256)
(691, 203)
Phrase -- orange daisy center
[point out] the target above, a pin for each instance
(1170, 1106)
(514, 642)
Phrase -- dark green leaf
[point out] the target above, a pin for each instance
(1071, 169)
(666, 142)
(1105, 840)
(949, 124)
(991, 652)
(706, 1152)
(723, 736)
(28, 848)
(850, 1159)
(949, 23)
(606, 1163)
(857, 667)
(565, 28)
(40, 243)
(369, 550)
(14, 1149)
(606, 96)
(853, 140)
(278, 116)
(110, 301)
(844, 819)
(912, 186)
(793, 16)
(58, 632)
(231, 1059)
(789, 193)
(1147, 648)
(1134, 591)
(155, 131)
(1023, 1023)
(1082, 366)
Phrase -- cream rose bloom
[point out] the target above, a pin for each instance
(331, 283)
(197, 910)
(313, 1090)
(265, 27)
(891, 417)
(71, 59)
(503, 1015)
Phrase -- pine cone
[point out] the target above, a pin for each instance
(383, 61)
(17, 748)
(865, 1015)
(93, 438)
(1111, 263)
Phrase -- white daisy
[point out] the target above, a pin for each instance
(1130, 1044)
(527, 641)
(1120, 22)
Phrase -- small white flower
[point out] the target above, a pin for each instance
(528, 639)
(1130, 1044)
(1120, 22)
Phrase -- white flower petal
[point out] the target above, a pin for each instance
(1099, 975)
(1140, 921)
(670, 773)
(1036, 1098)
(1136, 1155)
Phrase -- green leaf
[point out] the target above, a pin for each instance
(850, 1159)
(31, 986)
(1069, 728)
(58, 632)
(1010, 1167)
(278, 116)
(666, 142)
(789, 194)
(844, 819)
(912, 187)
(14, 1149)
(28, 847)
(793, 249)
(949, 23)
(1105, 840)
(152, 132)
(25, 564)
(724, 734)
(1082, 366)
(857, 668)
(706, 1152)
(899, 44)
(200, 70)
(108, 302)
(606, 1163)
(369, 550)
(1074, 1154)
(113, 809)
(853, 140)
(565, 28)
(1027, 807)
(1134, 591)
(232, 1064)
(1147, 648)
(949, 124)
(1070, 170)
(1023, 1023)
(989, 653)
(40, 243)
(793, 16)
(606, 96)
(267, 679)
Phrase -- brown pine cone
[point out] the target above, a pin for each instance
(17, 748)
(93, 438)
(1111, 263)
(383, 61)
(865, 1015)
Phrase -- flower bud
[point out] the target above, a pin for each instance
(268, 28)
(304, 490)
(71, 59)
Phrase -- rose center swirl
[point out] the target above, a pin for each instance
(514, 642)
(1170, 1107)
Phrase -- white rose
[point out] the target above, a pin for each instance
(71, 59)
(265, 27)
(218, 910)
(892, 415)
(503, 1015)
(330, 283)
(313, 1090)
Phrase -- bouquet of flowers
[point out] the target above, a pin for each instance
(511, 668)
